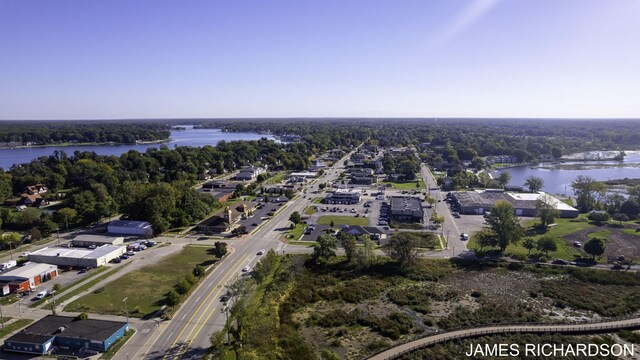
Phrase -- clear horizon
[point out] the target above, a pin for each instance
(77, 60)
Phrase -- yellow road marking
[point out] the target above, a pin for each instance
(232, 270)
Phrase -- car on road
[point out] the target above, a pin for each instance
(456, 214)
(261, 252)
(560, 262)
(577, 244)
(464, 236)
(617, 266)
(246, 268)
(41, 294)
(25, 254)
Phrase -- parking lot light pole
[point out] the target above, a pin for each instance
(126, 309)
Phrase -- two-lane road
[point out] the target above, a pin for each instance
(186, 336)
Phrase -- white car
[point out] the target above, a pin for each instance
(261, 252)
(41, 294)
(246, 268)
(26, 253)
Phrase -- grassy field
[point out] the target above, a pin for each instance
(146, 287)
(564, 228)
(343, 220)
(406, 185)
(18, 324)
(310, 210)
(318, 200)
(276, 178)
(84, 287)
(296, 232)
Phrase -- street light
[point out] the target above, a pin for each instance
(126, 309)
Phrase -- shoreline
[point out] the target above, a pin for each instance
(66, 144)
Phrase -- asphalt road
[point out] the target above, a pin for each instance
(186, 336)
(450, 230)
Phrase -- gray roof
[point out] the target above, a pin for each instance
(130, 223)
(44, 329)
(405, 203)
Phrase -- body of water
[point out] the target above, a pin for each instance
(188, 137)
(558, 177)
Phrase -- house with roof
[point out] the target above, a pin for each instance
(250, 173)
(35, 189)
(228, 218)
(358, 231)
(31, 200)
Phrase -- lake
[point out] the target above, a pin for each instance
(558, 177)
(188, 137)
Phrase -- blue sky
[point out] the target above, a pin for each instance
(450, 58)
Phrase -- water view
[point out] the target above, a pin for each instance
(187, 137)
(558, 176)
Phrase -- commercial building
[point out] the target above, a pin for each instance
(80, 337)
(96, 240)
(343, 196)
(358, 231)
(228, 218)
(406, 208)
(126, 227)
(27, 277)
(481, 201)
(79, 258)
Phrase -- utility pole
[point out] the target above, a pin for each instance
(126, 309)
(226, 313)
(58, 232)
(1, 317)
(19, 303)
(53, 302)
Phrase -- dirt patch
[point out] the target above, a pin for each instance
(501, 286)
(618, 242)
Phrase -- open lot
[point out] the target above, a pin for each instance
(146, 287)
(342, 220)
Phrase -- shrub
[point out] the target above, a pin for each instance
(99, 290)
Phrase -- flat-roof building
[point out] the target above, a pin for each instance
(343, 196)
(406, 208)
(480, 201)
(127, 227)
(97, 240)
(74, 257)
(66, 332)
(26, 277)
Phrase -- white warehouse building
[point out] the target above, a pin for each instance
(82, 258)
(126, 227)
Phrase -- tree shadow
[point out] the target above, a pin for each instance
(178, 351)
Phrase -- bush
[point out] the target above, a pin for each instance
(82, 316)
(99, 290)
(183, 287)
(199, 271)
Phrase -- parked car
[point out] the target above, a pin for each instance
(92, 247)
(577, 244)
(41, 294)
(25, 254)
(124, 256)
(116, 260)
(151, 243)
(560, 262)
(617, 266)
(130, 253)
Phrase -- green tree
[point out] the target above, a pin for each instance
(620, 217)
(295, 217)
(529, 244)
(504, 224)
(219, 249)
(366, 256)
(631, 208)
(83, 316)
(594, 247)
(199, 271)
(325, 248)
(65, 217)
(546, 210)
(504, 178)
(587, 191)
(486, 238)
(546, 244)
(599, 216)
(11, 241)
(172, 298)
(534, 183)
(402, 249)
(348, 242)
(183, 286)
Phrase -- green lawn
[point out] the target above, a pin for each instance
(406, 185)
(310, 210)
(318, 200)
(296, 232)
(343, 220)
(18, 324)
(564, 228)
(83, 287)
(91, 274)
(631, 232)
(602, 234)
(276, 178)
(146, 287)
